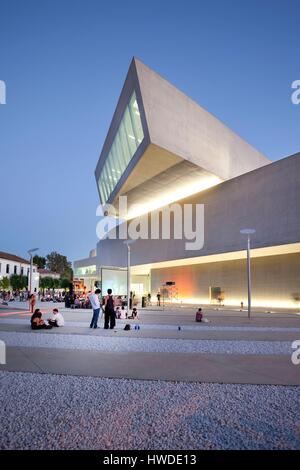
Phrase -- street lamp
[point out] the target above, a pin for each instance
(128, 243)
(30, 275)
(248, 232)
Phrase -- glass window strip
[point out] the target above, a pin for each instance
(126, 141)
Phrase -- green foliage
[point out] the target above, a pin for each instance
(64, 283)
(18, 282)
(56, 283)
(59, 264)
(46, 283)
(4, 283)
(40, 261)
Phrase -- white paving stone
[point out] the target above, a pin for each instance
(115, 343)
(40, 411)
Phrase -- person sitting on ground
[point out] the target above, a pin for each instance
(199, 315)
(134, 314)
(56, 318)
(123, 313)
(118, 313)
(37, 323)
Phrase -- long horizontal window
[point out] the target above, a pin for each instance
(127, 139)
(86, 270)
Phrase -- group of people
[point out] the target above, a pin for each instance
(51, 295)
(121, 313)
(33, 299)
(55, 320)
(108, 306)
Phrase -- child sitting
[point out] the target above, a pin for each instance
(199, 315)
(118, 312)
(134, 314)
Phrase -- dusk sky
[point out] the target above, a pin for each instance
(64, 64)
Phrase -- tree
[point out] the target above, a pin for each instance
(40, 261)
(18, 282)
(46, 283)
(4, 283)
(56, 283)
(64, 283)
(59, 264)
(43, 284)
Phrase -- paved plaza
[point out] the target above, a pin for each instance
(226, 383)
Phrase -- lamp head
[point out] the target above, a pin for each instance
(247, 231)
(32, 250)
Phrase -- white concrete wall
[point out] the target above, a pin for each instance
(180, 125)
(266, 199)
(12, 264)
(275, 281)
(26, 271)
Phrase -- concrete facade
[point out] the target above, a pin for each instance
(275, 280)
(177, 123)
(176, 130)
(267, 199)
(187, 156)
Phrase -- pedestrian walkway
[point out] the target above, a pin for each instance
(214, 368)
(227, 349)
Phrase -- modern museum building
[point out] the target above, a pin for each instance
(169, 156)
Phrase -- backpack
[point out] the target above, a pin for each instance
(110, 304)
(127, 327)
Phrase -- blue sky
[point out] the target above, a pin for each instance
(64, 63)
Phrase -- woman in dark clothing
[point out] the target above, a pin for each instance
(109, 311)
(36, 321)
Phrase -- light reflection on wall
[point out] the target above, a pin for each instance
(275, 281)
(266, 303)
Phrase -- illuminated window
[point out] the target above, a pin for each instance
(127, 140)
(86, 270)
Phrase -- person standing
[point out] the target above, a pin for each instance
(32, 302)
(96, 305)
(109, 311)
(158, 299)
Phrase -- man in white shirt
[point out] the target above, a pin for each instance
(56, 318)
(95, 300)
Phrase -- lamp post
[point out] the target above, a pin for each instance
(248, 232)
(31, 262)
(128, 243)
